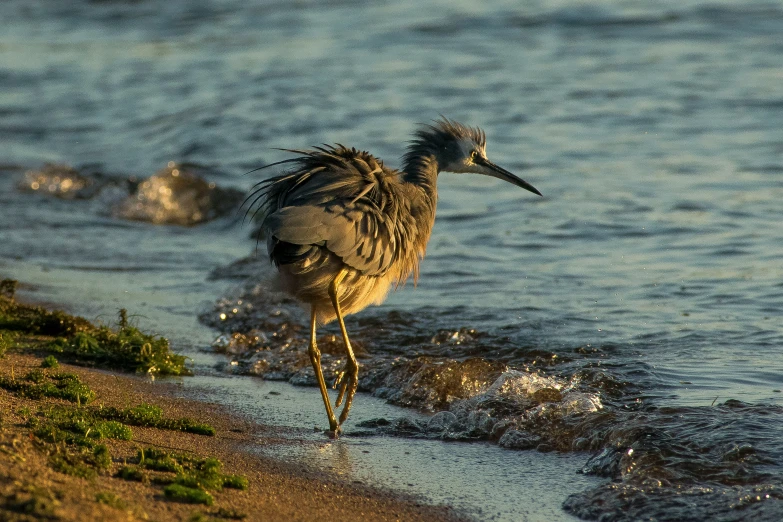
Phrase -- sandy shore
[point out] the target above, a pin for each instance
(31, 490)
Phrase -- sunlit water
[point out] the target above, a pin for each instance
(633, 313)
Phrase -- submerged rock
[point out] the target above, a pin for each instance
(175, 196)
(60, 181)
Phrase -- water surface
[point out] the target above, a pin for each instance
(632, 316)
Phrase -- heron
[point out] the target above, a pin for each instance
(343, 229)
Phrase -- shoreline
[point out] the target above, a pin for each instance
(276, 489)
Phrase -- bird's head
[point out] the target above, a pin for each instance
(459, 148)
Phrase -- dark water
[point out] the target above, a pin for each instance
(633, 314)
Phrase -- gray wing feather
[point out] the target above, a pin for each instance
(298, 225)
(347, 202)
(358, 236)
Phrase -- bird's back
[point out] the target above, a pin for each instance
(340, 207)
(325, 174)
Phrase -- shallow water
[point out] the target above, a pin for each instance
(634, 312)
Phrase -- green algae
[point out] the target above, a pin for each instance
(7, 340)
(82, 463)
(35, 320)
(50, 361)
(112, 500)
(188, 495)
(72, 434)
(39, 384)
(132, 474)
(29, 502)
(83, 426)
(187, 478)
(77, 340)
(76, 426)
(126, 348)
(150, 416)
(205, 474)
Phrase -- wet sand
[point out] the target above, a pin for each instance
(277, 490)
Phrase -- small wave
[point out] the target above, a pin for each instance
(708, 463)
(753, 16)
(592, 15)
(519, 410)
(479, 387)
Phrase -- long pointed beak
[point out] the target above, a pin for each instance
(501, 173)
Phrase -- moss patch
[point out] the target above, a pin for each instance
(152, 416)
(81, 463)
(38, 384)
(187, 478)
(126, 348)
(50, 361)
(30, 502)
(71, 433)
(110, 499)
(76, 339)
(189, 495)
(36, 320)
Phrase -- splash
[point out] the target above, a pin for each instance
(175, 196)
(662, 461)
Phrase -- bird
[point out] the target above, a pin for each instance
(343, 229)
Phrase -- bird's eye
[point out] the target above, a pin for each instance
(473, 155)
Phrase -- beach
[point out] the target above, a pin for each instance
(31, 490)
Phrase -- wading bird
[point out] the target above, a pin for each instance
(342, 228)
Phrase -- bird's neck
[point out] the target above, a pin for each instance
(420, 176)
(420, 168)
(420, 172)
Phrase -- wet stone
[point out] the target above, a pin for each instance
(581, 444)
(238, 343)
(547, 395)
(374, 423)
(175, 196)
(61, 181)
(518, 440)
(406, 426)
(647, 451)
(434, 384)
(441, 421)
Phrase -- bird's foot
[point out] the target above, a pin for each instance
(333, 433)
(337, 382)
(348, 389)
(347, 379)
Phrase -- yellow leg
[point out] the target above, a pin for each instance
(349, 379)
(315, 358)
